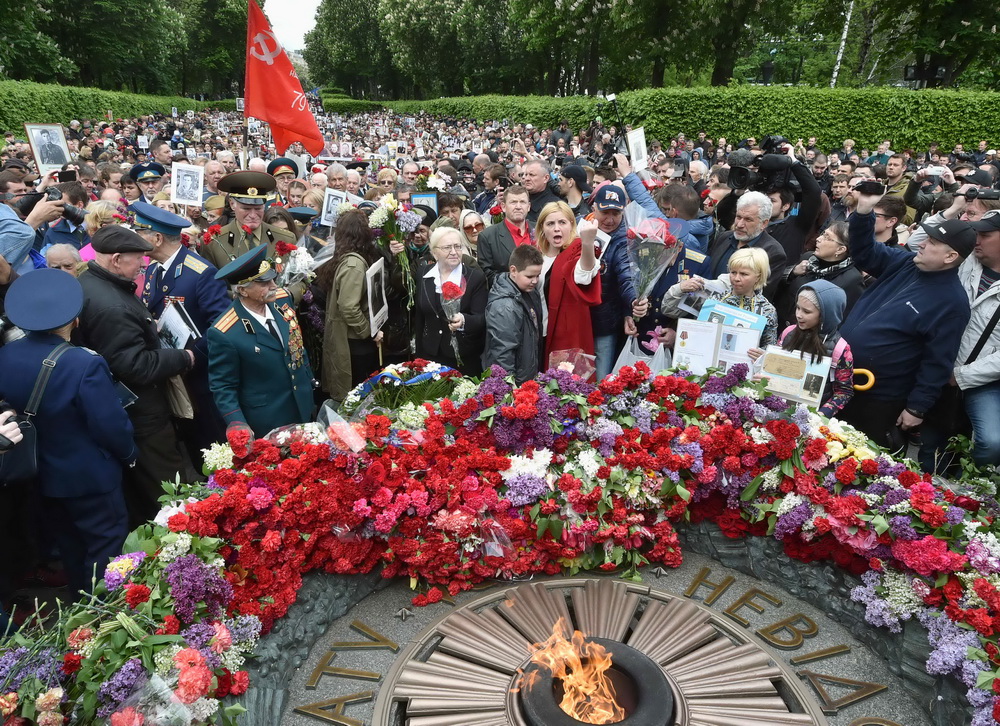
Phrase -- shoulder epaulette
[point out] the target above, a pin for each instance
(195, 265)
(227, 320)
(695, 256)
(282, 293)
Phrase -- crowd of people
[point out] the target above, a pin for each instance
(882, 260)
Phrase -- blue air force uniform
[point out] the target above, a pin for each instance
(189, 279)
(84, 436)
(259, 378)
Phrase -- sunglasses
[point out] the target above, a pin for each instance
(477, 227)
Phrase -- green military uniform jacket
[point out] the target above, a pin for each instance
(231, 242)
(255, 379)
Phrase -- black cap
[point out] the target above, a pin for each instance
(114, 238)
(577, 174)
(955, 233)
(359, 165)
(979, 177)
(427, 215)
(989, 222)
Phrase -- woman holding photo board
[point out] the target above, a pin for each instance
(743, 287)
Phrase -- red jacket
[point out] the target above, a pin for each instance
(569, 305)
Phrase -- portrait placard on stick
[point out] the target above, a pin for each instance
(188, 181)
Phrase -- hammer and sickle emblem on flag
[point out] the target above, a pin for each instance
(266, 53)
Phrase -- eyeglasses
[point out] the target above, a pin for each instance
(477, 227)
(449, 248)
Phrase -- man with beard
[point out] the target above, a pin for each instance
(753, 211)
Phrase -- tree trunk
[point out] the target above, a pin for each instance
(727, 42)
(659, 68)
(868, 23)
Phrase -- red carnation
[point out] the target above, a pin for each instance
(71, 663)
(178, 522)
(241, 682)
(247, 230)
(135, 595)
(451, 291)
(171, 626)
(496, 210)
(284, 249)
(209, 233)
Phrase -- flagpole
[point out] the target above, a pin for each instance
(246, 80)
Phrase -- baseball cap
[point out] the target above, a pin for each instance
(577, 174)
(979, 177)
(989, 222)
(609, 197)
(955, 233)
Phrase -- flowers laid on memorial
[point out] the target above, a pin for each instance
(450, 482)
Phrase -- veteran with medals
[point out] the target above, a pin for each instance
(257, 365)
(248, 193)
(178, 276)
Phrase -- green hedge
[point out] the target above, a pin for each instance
(338, 104)
(23, 102)
(908, 118)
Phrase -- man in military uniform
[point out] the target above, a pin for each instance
(179, 276)
(284, 171)
(148, 176)
(116, 324)
(48, 152)
(257, 365)
(248, 191)
(84, 435)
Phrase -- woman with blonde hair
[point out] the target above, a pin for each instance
(570, 284)
(387, 180)
(100, 214)
(743, 286)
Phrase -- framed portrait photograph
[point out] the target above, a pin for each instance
(188, 180)
(331, 201)
(428, 199)
(48, 146)
(378, 307)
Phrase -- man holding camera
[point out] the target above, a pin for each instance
(69, 230)
(23, 212)
(792, 230)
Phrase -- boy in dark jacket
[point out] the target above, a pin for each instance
(513, 316)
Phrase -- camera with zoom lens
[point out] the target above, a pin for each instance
(25, 204)
(980, 193)
(769, 172)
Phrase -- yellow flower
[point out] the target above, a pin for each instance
(864, 453)
(122, 566)
(835, 451)
(389, 202)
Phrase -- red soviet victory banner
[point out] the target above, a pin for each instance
(273, 91)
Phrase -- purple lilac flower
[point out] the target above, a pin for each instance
(244, 628)
(192, 581)
(126, 681)
(567, 382)
(605, 431)
(954, 515)
(877, 611)
(879, 489)
(524, 489)
(896, 496)
(949, 641)
(120, 568)
(693, 449)
(198, 636)
(890, 468)
(902, 528)
(20, 665)
(979, 697)
(983, 716)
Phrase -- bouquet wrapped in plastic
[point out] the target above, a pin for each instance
(451, 303)
(651, 248)
(293, 263)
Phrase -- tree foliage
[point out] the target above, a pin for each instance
(567, 47)
(185, 47)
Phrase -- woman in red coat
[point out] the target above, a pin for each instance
(571, 280)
